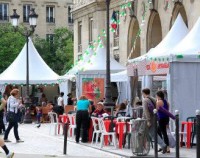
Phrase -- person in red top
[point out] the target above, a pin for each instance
(99, 110)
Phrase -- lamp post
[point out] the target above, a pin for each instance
(108, 94)
(26, 33)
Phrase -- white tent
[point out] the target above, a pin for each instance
(178, 31)
(162, 50)
(98, 63)
(65, 81)
(97, 68)
(184, 74)
(39, 71)
(189, 48)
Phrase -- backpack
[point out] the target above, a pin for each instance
(151, 105)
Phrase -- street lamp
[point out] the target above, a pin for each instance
(108, 94)
(26, 33)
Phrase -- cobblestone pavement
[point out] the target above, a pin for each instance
(41, 143)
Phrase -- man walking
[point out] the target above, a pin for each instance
(149, 103)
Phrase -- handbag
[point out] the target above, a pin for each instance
(172, 141)
(11, 116)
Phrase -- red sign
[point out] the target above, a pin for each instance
(153, 66)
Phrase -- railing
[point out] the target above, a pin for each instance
(50, 20)
(4, 18)
(81, 3)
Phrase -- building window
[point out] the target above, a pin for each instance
(4, 12)
(80, 37)
(70, 18)
(90, 30)
(26, 11)
(50, 14)
(116, 33)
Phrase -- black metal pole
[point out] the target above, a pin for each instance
(27, 117)
(155, 134)
(198, 132)
(27, 69)
(66, 125)
(177, 134)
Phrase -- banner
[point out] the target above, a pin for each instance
(93, 88)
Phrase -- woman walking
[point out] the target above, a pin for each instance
(163, 115)
(13, 104)
(82, 117)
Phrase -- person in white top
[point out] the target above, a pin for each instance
(13, 103)
(60, 102)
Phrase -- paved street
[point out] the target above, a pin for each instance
(45, 145)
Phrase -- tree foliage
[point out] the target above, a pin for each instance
(58, 54)
(11, 43)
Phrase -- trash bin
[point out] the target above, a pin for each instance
(140, 140)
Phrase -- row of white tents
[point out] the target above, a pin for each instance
(177, 57)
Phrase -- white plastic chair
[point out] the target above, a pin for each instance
(96, 129)
(105, 133)
(72, 121)
(53, 122)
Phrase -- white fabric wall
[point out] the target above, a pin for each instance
(147, 82)
(124, 91)
(185, 86)
(66, 88)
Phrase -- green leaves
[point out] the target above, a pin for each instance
(58, 54)
(11, 44)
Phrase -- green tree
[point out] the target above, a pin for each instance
(58, 54)
(11, 43)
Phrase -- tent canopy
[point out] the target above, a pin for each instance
(71, 74)
(39, 71)
(189, 47)
(178, 31)
(98, 62)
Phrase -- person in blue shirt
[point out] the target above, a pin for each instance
(82, 117)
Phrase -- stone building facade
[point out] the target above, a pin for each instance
(153, 18)
(52, 14)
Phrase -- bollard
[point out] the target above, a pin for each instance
(155, 134)
(198, 132)
(66, 125)
(177, 133)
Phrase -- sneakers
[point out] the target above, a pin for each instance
(19, 141)
(6, 140)
(10, 155)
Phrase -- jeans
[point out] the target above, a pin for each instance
(10, 126)
(160, 141)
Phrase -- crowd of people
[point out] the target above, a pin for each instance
(86, 108)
